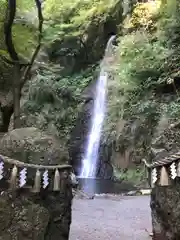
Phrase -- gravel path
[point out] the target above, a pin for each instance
(125, 218)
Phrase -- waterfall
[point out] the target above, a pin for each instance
(89, 162)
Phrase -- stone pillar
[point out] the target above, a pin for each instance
(165, 209)
(29, 216)
(35, 199)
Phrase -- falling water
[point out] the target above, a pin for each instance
(89, 163)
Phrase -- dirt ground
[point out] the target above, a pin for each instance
(121, 218)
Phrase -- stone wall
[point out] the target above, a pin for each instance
(42, 216)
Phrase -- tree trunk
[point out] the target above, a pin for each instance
(6, 113)
(17, 95)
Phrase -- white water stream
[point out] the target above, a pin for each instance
(89, 162)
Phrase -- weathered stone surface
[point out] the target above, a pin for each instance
(20, 218)
(167, 143)
(78, 141)
(31, 145)
(27, 216)
(37, 217)
(59, 207)
(165, 207)
(165, 201)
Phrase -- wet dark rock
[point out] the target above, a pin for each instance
(79, 136)
(79, 139)
(165, 207)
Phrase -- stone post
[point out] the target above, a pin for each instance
(165, 210)
(29, 213)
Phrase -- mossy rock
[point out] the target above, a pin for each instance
(167, 144)
(31, 145)
(165, 211)
(22, 219)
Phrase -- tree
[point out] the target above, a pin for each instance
(20, 67)
(72, 31)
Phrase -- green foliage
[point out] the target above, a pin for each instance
(171, 108)
(169, 34)
(52, 98)
(74, 18)
(56, 101)
(135, 176)
(24, 29)
(26, 35)
(2, 9)
(140, 59)
(145, 58)
(144, 16)
(144, 62)
(27, 7)
(169, 24)
(139, 66)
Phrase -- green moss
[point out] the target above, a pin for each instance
(53, 102)
(74, 18)
(132, 175)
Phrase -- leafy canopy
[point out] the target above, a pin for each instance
(74, 18)
(145, 59)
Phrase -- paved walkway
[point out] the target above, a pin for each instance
(123, 218)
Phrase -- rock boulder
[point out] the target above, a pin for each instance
(31, 145)
(165, 200)
(34, 216)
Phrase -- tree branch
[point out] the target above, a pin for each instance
(10, 15)
(40, 17)
(6, 60)
(9, 20)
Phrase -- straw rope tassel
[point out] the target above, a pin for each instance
(164, 178)
(13, 179)
(178, 169)
(153, 177)
(56, 181)
(37, 182)
(1, 169)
